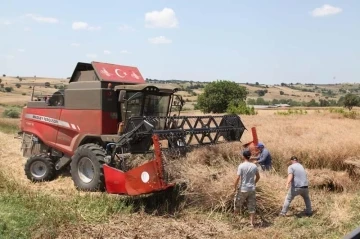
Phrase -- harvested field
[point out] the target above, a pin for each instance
(331, 180)
(324, 143)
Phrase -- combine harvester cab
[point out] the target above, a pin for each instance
(106, 114)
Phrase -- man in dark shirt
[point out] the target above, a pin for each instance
(264, 158)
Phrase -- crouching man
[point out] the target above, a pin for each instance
(248, 175)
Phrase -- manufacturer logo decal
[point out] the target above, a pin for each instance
(52, 121)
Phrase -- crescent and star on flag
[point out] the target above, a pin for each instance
(120, 73)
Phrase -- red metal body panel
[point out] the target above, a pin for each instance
(144, 179)
(118, 73)
(62, 129)
(114, 180)
(45, 126)
(109, 123)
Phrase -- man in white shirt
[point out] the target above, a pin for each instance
(248, 175)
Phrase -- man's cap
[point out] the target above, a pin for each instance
(260, 144)
(246, 154)
(294, 158)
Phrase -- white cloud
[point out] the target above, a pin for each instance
(20, 50)
(326, 10)
(106, 52)
(165, 18)
(124, 52)
(42, 19)
(125, 27)
(6, 23)
(27, 29)
(84, 26)
(9, 56)
(91, 28)
(75, 44)
(79, 25)
(159, 40)
(91, 55)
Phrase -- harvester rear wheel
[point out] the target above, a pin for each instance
(40, 168)
(86, 167)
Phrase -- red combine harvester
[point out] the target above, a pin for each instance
(107, 114)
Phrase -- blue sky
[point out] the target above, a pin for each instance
(308, 41)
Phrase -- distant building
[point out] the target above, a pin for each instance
(282, 105)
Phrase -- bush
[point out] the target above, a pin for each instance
(240, 109)
(8, 89)
(281, 92)
(351, 100)
(11, 113)
(61, 87)
(335, 110)
(350, 115)
(261, 92)
(23, 93)
(291, 112)
(18, 85)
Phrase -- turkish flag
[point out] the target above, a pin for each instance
(118, 73)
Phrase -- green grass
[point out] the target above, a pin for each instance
(346, 114)
(8, 128)
(26, 213)
(291, 112)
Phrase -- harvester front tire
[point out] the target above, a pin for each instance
(86, 168)
(39, 168)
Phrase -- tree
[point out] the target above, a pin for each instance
(8, 89)
(251, 101)
(341, 101)
(275, 102)
(324, 103)
(261, 101)
(218, 95)
(312, 103)
(0, 80)
(261, 92)
(350, 101)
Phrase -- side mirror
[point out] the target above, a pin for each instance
(122, 96)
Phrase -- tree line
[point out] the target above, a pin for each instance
(226, 96)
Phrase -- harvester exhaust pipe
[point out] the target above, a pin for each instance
(252, 144)
(254, 135)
